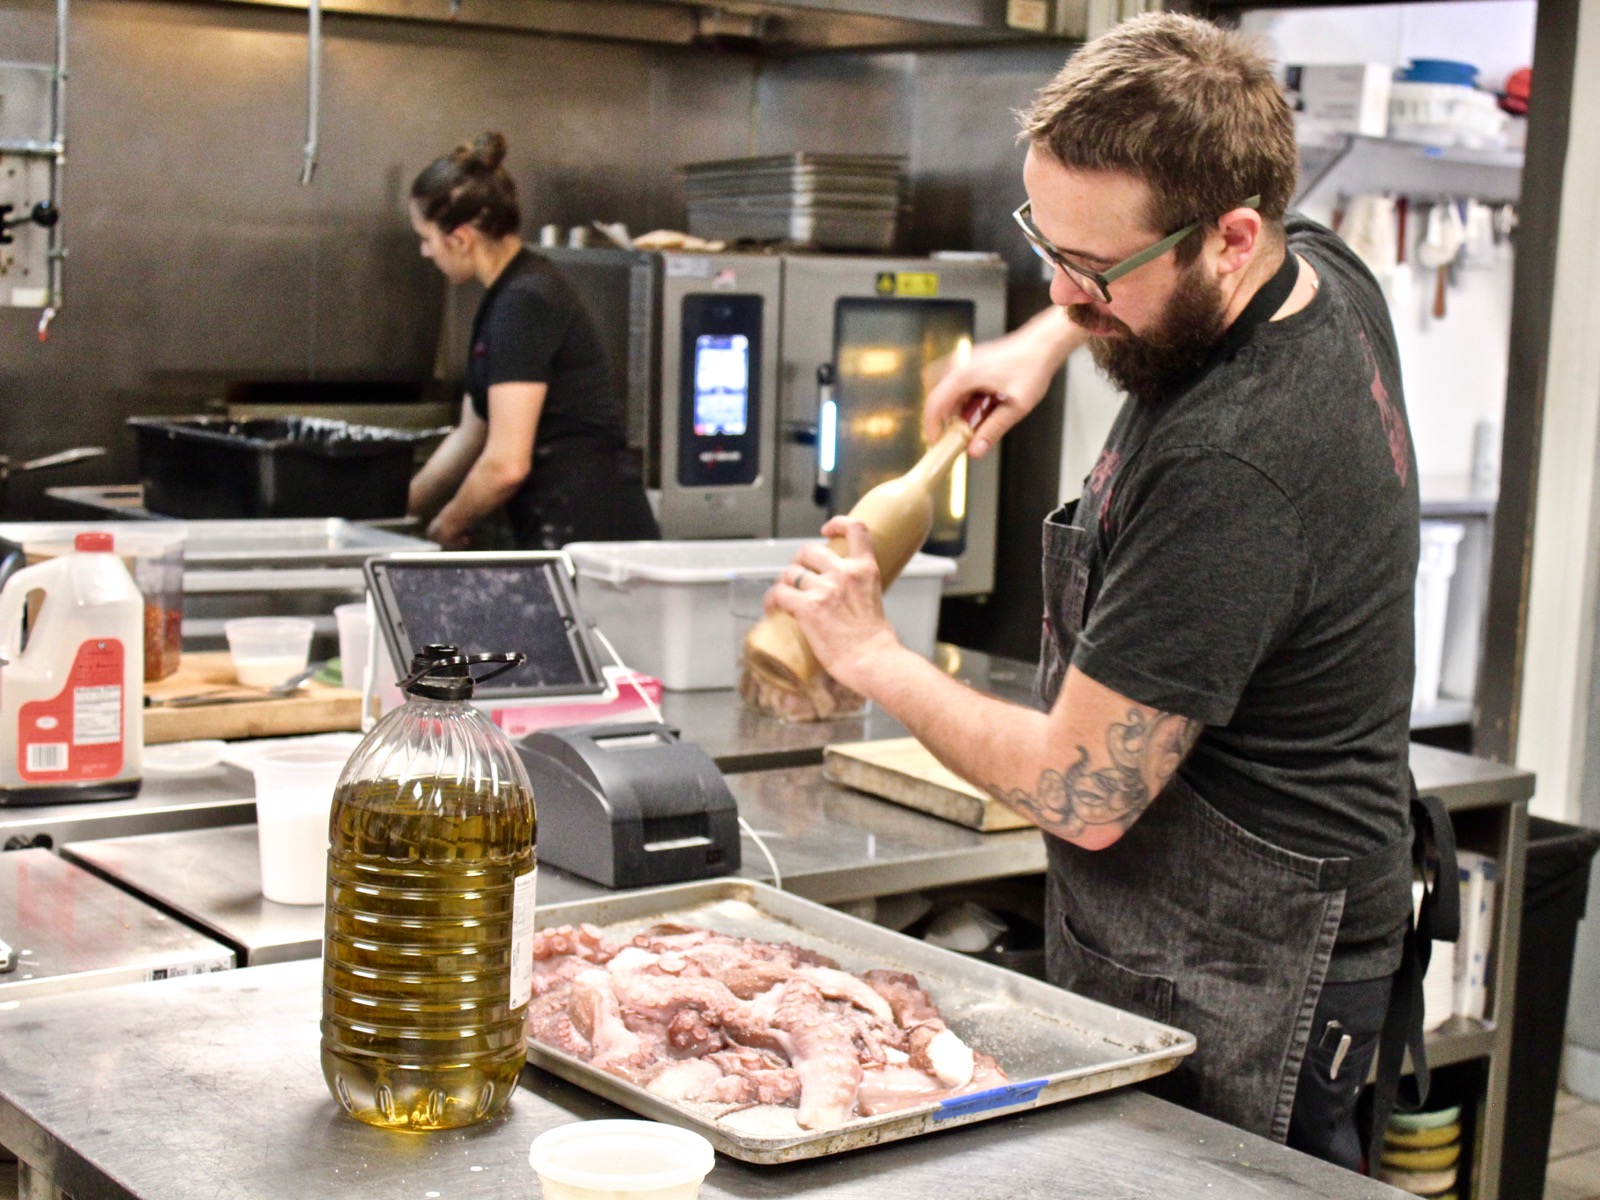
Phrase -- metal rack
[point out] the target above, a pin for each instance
(51, 151)
(1413, 168)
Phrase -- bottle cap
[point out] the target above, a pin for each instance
(439, 672)
(101, 543)
(442, 672)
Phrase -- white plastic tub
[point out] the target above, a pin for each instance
(1435, 567)
(1446, 114)
(667, 606)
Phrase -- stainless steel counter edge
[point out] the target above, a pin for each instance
(245, 1113)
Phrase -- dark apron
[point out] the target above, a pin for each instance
(581, 491)
(1189, 918)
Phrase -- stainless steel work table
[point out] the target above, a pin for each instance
(200, 1089)
(736, 739)
(740, 740)
(71, 931)
(832, 845)
(223, 795)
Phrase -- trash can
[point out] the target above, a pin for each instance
(1554, 896)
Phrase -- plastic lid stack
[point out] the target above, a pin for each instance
(1422, 1153)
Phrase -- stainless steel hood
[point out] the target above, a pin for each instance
(760, 26)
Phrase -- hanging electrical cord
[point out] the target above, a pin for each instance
(655, 712)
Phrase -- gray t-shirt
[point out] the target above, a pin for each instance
(1258, 539)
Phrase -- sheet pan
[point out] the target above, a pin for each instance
(1052, 1045)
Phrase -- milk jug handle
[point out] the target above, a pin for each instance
(13, 600)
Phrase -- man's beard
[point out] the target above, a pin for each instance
(1148, 366)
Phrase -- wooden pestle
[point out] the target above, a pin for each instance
(899, 514)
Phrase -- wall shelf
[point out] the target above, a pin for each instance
(1369, 164)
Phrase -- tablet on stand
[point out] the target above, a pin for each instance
(498, 601)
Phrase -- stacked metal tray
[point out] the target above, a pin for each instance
(284, 566)
(1053, 1045)
(829, 201)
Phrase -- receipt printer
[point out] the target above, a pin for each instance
(630, 805)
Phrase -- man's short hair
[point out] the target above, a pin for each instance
(1190, 109)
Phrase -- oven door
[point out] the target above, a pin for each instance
(858, 334)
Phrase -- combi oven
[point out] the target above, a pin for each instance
(769, 391)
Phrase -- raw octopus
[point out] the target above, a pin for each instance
(692, 1015)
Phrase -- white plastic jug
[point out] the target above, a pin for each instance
(72, 702)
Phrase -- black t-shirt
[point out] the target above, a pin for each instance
(1258, 544)
(532, 328)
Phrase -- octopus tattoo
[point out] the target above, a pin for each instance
(1145, 752)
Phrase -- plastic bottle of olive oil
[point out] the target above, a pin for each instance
(428, 948)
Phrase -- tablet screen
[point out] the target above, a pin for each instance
(488, 604)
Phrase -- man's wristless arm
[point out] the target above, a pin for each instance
(1144, 752)
(1086, 771)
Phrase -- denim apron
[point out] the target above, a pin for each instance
(1189, 918)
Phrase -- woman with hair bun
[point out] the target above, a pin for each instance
(541, 427)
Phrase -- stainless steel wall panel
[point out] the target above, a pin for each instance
(196, 257)
(952, 113)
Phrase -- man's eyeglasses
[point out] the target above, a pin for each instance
(1098, 283)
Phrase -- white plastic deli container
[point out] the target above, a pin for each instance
(667, 606)
(1435, 567)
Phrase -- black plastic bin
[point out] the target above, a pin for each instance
(204, 467)
(1556, 892)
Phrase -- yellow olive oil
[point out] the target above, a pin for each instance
(429, 907)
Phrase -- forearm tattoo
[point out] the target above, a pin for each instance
(1144, 753)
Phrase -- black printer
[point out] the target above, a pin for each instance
(630, 805)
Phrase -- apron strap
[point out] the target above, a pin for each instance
(1269, 298)
(1438, 917)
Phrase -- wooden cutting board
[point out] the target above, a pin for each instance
(315, 708)
(902, 770)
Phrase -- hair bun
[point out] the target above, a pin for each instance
(483, 155)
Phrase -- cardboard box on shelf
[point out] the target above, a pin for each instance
(1333, 99)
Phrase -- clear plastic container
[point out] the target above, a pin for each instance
(268, 650)
(428, 949)
(1435, 567)
(154, 557)
(294, 794)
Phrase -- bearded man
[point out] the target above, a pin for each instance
(1220, 763)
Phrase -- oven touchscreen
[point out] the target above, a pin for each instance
(721, 384)
(719, 406)
(489, 603)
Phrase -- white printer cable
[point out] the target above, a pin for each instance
(369, 672)
(655, 712)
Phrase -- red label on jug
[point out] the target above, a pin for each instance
(76, 735)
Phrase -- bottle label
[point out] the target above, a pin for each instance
(76, 735)
(522, 939)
